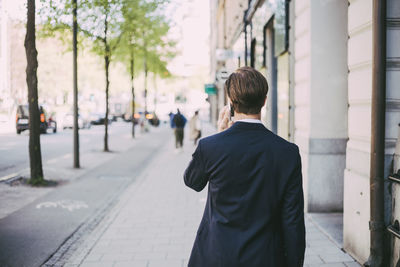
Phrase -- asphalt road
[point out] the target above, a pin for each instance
(31, 235)
(14, 153)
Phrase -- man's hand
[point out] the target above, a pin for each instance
(224, 121)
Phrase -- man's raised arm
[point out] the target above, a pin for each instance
(195, 176)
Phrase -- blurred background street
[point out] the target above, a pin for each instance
(88, 166)
(57, 147)
(36, 226)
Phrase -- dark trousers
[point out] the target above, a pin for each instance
(178, 137)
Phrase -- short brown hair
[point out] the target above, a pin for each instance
(247, 88)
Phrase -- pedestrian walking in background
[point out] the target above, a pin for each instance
(195, 127)
(254, 212)
(144, 124)
(179, 121)
(171, 120)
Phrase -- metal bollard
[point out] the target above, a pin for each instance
(396, 158)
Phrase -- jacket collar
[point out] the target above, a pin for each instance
(248, 126)
(250, 120)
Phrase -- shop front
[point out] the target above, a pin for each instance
(267, 47)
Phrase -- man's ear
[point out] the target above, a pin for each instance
(265, 100)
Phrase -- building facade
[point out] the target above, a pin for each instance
(4, 59)
(13, 90)
(318, 59)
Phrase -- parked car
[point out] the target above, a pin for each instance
(22, 120)
(153, 119)
(69, 122)
(128, 117)
(99, 119)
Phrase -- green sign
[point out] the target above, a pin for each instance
(210, 89)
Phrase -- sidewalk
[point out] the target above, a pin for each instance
(14, 194)
(156, 220)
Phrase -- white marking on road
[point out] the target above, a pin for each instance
(51, 161)
(67, 204)
(67, 155)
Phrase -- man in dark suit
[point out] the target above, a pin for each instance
(254, 212)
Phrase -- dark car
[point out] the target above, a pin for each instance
(153, 119)
(127, 117)
(99, 119)
(22, 120)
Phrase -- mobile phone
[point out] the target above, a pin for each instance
(231, 111)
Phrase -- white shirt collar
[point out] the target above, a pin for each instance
(249, 121)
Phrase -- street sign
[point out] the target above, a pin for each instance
(210, 89)
(222, 75)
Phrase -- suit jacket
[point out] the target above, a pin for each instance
(254, 211)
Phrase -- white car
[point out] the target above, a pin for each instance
(69, 122)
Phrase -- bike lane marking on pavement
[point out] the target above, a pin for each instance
(67, 204)
(106, 176)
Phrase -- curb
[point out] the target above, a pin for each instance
(12, 177)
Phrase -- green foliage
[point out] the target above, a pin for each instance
(98, 22)
(116, 28)
(101, 23)
(144, 36)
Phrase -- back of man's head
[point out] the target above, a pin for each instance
(247, 88)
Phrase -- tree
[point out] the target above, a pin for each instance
(158, 66)
(143, 32)
(75, 80)
(132, 30)
(138, 18)
(35, 155)
(133, 13)
(102, 21)
(55, 17)
(155, 29)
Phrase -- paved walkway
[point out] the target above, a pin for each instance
(156, 220)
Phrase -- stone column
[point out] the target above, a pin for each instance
(320, 91)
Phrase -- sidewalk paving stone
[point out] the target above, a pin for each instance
(156, 220)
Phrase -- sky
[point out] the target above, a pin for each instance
(190, 28)
(15, 8)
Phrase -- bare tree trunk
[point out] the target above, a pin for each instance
(145, 83)
(133, 92)
(145, 74)
(155, 91)
(75, 82)
(107, 64)
(35, 155)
